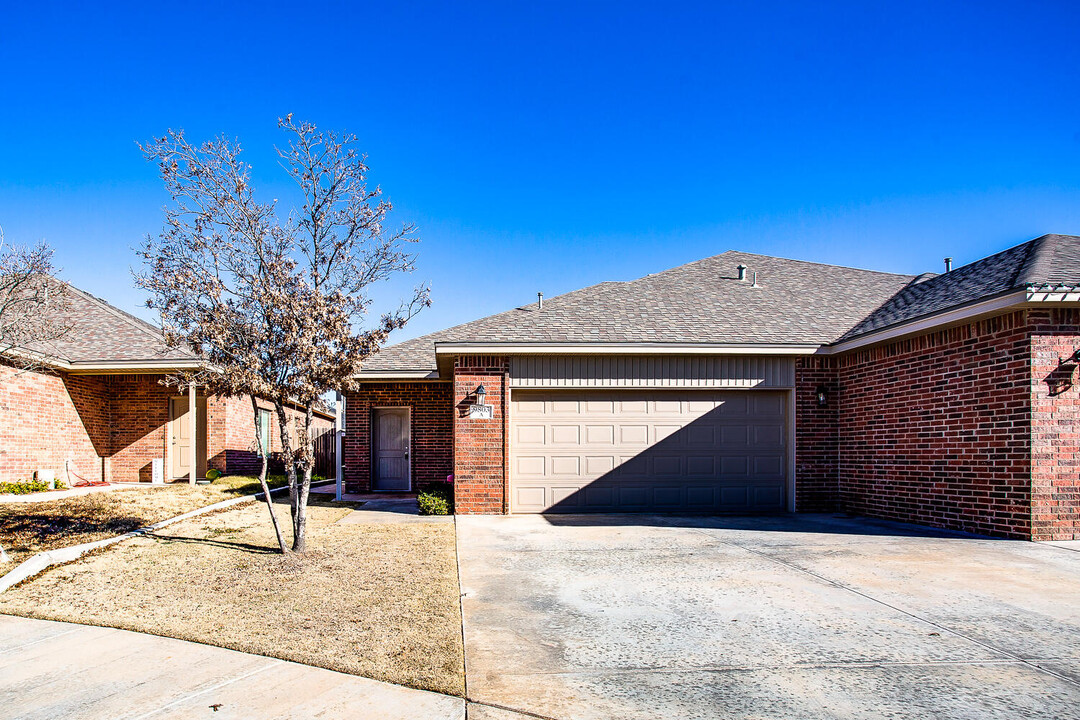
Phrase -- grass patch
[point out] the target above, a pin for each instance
(29, 528)
(378, 600)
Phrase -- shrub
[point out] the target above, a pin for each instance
(23, 487)
(435, 502)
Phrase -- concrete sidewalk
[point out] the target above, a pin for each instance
(53, 669)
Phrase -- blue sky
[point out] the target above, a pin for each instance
(548, 146)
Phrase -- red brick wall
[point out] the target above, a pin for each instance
(110, 426)
(935, 429)
(480, 457)
(816, 435)
(432, 430)
(1055, 425)
(48, 419)
(232, 433)
(139, 421)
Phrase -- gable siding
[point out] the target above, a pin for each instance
(652, 371)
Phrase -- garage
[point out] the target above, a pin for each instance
(710, 451)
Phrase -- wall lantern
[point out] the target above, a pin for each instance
(1060, 378)
(480, 394)
(822, 397)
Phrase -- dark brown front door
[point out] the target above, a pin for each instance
(390, 450)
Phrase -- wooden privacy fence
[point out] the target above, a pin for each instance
(324, 454)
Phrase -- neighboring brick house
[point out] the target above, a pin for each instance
(100, 411)
(746, 383)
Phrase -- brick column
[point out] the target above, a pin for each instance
(1055, 426)
(480, 462)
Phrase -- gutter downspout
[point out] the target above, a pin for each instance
(339, 432)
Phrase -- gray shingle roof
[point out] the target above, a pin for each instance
(1050, 259)
(703, 302)
(103, 333)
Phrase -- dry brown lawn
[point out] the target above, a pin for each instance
(29, 528)
(378, 600)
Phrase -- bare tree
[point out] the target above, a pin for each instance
(32, 305)
(276, 305)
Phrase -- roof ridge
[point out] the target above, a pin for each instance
(776, 257)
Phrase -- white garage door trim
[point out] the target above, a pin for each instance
(532, 466)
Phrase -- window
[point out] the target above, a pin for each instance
(264, 431)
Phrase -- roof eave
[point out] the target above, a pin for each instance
(1028, 296)
(641, 348)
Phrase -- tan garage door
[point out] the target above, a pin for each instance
(648, 451)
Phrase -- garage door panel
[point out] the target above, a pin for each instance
(736, 435)
(525, 435)
(705, 451)
(734, 497)
(599, 434)
(770, 465)
(530, 499)
(735, 405)
(700, 465)
(765, 435)
(525, 466)
(597, 465)
(703, 435)
(668, 497)
(600, 407)
(565, 434)
(561, 465)
(600, 497)
(667, 407)
(767, 495)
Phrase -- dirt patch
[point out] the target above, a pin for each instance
(378, 600)
(30, 528)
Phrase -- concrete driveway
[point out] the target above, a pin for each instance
(808, 616)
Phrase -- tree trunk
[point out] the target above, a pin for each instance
(307, 465)
(264, 452)
(299, 510)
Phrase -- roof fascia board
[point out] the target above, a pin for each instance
(129, 366)
(1011, 300)
(380, 376)
(624, 349)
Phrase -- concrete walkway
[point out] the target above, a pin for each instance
(60, 670)
(810, 617)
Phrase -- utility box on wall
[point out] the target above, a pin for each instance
(157, 471)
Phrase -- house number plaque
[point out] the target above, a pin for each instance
(481, 412)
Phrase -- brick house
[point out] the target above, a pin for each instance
(99, 410)
(749, 384)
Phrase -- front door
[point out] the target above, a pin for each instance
(180, 437)
(390, 450)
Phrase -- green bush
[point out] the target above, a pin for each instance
(23, 487)
(435, 502)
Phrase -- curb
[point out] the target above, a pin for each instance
(33, 565)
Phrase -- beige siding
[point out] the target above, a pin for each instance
(686, 371)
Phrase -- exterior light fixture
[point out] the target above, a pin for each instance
(480, 393)
(822, 396)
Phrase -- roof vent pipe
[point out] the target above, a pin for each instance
(539, 301)
(754, 284)
(948, 264)
(742, 272)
